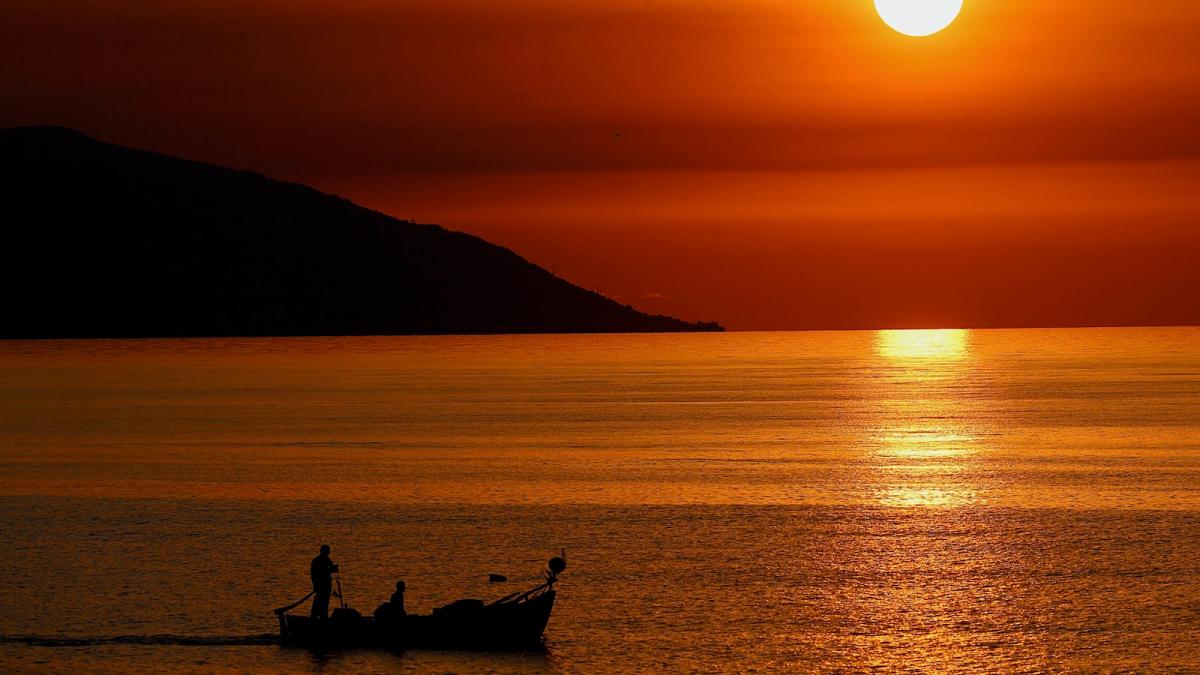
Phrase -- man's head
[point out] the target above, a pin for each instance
(400, 586)
(324, 549)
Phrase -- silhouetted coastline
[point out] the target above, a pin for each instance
(105, 241)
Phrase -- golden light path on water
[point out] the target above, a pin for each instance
(947, 344)
(925, 444)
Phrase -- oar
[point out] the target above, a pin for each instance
(294, 605)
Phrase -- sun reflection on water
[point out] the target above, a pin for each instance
(926, 434)
(942, 344)
(929, 443)
(930, 497)
(927, 467)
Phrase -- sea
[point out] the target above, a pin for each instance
(940, 500)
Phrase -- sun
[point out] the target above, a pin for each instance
(918, 18)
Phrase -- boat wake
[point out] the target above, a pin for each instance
(151, 640)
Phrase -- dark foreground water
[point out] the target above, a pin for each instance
(989, 500)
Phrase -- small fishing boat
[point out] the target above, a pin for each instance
(515, 621)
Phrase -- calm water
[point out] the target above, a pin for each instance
(1012, 500)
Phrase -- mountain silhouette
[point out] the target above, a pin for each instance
(100, 240)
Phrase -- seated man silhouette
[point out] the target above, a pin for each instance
(393, 609)
(321, 571)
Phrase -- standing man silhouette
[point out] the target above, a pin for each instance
(321, 571)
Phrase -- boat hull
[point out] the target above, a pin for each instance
(515, 626)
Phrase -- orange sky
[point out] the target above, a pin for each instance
(780, 163)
